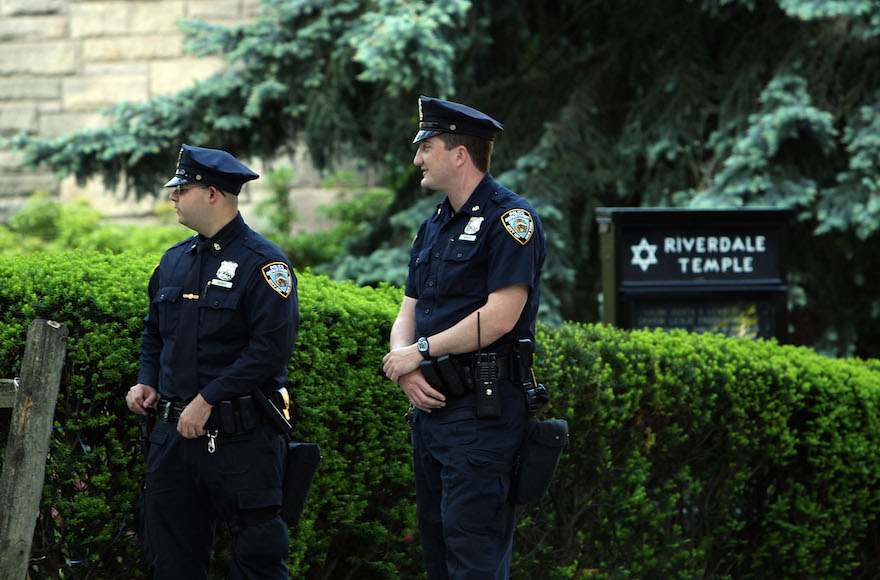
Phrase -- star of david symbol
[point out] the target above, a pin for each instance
(644, 255)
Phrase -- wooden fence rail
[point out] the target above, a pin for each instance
(7, 393)
(30, 428)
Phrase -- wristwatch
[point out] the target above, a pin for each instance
(422, 344)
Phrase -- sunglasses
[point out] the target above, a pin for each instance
(178, 190)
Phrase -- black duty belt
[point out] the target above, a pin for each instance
(456, 375)
(169, 411)
(230, 417)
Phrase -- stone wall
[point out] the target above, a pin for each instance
(63, 61)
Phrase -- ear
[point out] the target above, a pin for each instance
(214, 194)
(461, 155)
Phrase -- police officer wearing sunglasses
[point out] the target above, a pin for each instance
(470, 305)
(222, 322)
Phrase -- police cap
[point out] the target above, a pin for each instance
(437, 116)
(210, 167)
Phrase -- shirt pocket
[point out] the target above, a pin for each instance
(464, 270)
(167, 302)
(462, 252)
(219, 312)
(419, 266)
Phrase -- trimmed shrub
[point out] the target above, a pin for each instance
(47, 224)
(692, 456)
(699, 456)
(360, 511)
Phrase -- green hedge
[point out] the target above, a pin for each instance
(360, 512)
(699, 456)
(692, 456)
(46, 224)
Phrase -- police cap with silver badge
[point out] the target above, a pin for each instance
(210, 167)
(438, 116)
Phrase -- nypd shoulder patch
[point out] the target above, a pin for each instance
(277, 274)
(519, 224)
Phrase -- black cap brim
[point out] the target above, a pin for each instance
(177, 180)
(422, 135)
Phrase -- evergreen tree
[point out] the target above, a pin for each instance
(703, 103)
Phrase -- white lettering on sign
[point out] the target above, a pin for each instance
(715, 244)
(724, 265)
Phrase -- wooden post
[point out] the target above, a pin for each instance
(21, 483)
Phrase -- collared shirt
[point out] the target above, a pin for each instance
(495, 240)
(248, 315)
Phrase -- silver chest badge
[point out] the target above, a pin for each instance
(225, 273)
(472, 227)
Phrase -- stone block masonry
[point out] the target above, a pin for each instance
(63, 61)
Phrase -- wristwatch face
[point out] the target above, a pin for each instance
(423, 344)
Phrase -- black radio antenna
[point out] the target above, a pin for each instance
(479, 348)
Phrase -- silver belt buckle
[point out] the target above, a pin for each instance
(165, 410)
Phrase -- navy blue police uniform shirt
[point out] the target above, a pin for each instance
(495, 240)
(248, 316)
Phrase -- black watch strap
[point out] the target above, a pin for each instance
(424, 348)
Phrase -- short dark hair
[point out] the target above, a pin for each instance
(479, 149)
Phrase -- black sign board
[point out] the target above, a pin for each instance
(701, 270)
(743, 316)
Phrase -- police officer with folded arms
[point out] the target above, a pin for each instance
(222, 322)
(457, 345)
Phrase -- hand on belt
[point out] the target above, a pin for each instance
(230, 417)
(169, 411)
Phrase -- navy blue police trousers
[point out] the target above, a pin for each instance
(188, 489)
(463, 466)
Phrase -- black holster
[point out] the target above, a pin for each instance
(543, 441)
(538, 457)
(145, 427)
(303, 459)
